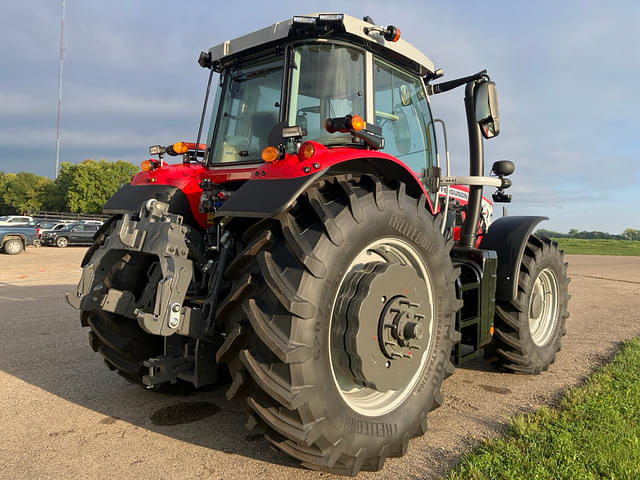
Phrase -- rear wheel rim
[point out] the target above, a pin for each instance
(362, 399)
(543, 307)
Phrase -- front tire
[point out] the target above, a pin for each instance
(62, 242)
(528, 331)
(317, 337)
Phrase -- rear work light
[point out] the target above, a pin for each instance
(156, 150)
(322, 19)
(304, 20)
(330, 18)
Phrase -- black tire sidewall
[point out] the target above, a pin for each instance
(543, 355)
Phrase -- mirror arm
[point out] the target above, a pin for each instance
(204, 112)
(451, 84)
(476, 169)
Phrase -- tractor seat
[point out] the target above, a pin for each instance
(261, 125)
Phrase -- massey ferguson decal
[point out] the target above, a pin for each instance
(461, 193)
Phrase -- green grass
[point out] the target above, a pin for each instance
(594, 433)
(599, 247)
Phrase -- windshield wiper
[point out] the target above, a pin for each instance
(255, 73)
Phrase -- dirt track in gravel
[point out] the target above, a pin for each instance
(64, 415)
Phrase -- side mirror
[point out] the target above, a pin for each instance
(405, 95)
(486, 108)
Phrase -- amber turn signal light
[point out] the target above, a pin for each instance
(357, 123)
(344, 124)
(145, 165)
(180, 147)
(392, 34)
(270, 154)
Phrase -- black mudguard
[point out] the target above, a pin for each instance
(508, 237)
(131, 197)
(265, 198)
(268, 198)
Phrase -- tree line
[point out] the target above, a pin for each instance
(85, 187)
(628, 234)
(80, 188)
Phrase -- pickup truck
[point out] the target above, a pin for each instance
(14, 239)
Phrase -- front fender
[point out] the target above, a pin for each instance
(508, 236)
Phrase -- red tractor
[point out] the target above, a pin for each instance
(316, 247)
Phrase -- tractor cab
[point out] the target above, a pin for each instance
(308, 70)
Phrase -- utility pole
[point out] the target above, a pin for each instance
(60, 90)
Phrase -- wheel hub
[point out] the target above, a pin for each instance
(543, 307)
(537, 303)
(384, 306)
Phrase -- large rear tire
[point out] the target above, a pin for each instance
(334, 379)
(528, 331)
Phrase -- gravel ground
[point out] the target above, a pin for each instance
(64, 415)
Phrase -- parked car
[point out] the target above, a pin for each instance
(15, 220)
(91, 222)
(51, 226)
(15, 238)
(70, 234)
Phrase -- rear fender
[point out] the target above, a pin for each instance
(130, 198)
(508, 236)
(275, 190)
(9, 236)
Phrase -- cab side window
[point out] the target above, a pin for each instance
(402, 111)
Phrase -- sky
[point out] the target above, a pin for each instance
(567, 75)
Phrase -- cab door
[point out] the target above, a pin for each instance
(403, 114)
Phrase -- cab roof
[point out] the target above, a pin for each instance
(400, 50)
